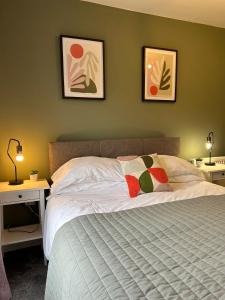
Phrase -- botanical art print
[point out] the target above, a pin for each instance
(82, 68)
(159, 68)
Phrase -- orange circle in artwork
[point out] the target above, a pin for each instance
(154, 90)
(76, 51)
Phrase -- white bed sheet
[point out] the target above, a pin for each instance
(63, 208)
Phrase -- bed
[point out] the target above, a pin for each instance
(101, 244)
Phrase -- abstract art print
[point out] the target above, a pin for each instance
(159, 74)
(82, 68)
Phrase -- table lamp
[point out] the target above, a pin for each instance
(209, 145)
(19, 157)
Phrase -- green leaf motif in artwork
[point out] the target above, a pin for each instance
(166, 87)
(146, 183)
(82, 86)
(165, 79)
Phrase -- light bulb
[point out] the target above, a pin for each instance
(208, 145)
(19, 157)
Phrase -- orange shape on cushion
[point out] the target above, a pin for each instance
(159, 174)
(133, 185)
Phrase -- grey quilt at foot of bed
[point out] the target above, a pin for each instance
(166, 251)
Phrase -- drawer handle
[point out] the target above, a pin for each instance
(223, 174)
(20, 196)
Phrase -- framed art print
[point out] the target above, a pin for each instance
(159, 74)
(82, 68)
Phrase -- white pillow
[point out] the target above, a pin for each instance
(103, 187)
(185, 178)
(85, 170)
(176, 167)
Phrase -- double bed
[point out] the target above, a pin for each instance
(101, 244)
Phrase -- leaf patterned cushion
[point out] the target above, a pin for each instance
(144, 174)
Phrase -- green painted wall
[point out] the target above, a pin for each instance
(33, 110)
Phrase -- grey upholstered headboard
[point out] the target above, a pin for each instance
(61, 152)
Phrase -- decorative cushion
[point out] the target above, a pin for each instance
(144, 174)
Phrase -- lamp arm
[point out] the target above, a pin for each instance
(211, 137)
(11, 157)
(18, 142)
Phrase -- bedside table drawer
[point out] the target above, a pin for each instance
(218, 175)
(19, 196)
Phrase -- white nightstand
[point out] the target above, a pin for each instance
(214, 173)
(29, 191)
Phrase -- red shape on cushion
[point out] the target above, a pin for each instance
(133, 185)
(159, 174)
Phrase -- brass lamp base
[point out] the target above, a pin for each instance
(16, 182)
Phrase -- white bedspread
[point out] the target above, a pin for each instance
(65, 207)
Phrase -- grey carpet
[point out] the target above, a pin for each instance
(26, 273)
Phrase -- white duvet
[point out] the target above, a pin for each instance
(63, 208)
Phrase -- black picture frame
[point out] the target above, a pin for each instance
(157, 77)
(82, 68)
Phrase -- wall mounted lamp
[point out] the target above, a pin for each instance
(19, 157)
(209, 145)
